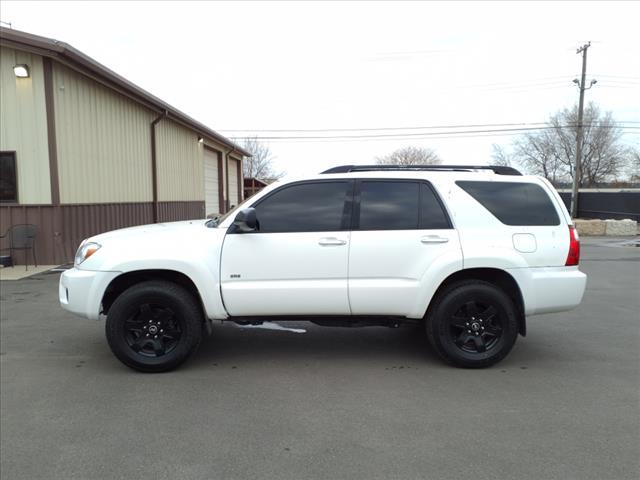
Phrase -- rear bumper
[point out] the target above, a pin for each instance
(550, 289)
(81, 291)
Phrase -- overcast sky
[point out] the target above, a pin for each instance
(362, 65)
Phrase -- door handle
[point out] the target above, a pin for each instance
(331, 241)
(433, 239)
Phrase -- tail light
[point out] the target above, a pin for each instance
(574, 248)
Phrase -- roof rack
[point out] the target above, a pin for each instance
(499, 170)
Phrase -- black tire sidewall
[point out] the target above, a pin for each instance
(449, 302)
(165, 294)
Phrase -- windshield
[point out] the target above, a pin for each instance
(215, 222)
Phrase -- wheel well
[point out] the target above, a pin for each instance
(126, 280)
(500, 279)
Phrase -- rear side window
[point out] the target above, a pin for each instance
(400, 205)
(389, 205)
(432, 215)
(517, 204)
(307, 207)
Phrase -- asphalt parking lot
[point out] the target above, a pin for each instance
(330, 403)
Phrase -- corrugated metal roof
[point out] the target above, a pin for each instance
(75, 58)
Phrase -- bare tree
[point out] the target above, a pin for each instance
(260, 164)
(499, 156)
(538, 155)
(410, 156)
(551, 152)
(633, 168)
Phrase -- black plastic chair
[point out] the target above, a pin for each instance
(22, 237)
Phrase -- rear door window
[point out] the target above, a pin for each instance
(399, 205)
(432, 215)
(389, 205)
(518, 204)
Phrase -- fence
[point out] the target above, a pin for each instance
(615, 204)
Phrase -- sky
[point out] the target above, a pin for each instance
(366, 70)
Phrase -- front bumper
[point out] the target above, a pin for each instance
(81, 291)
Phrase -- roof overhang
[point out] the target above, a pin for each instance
(75, 59)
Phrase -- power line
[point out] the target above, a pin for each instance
(390, 135)
(435, 137)
(433, 127)
(624, 77)
(420, 134)
(377, 139)
(426, 134)
(619, 81)
(628, 87)
(523, 86)
(371, 129)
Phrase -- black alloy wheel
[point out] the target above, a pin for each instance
(472, 324)
(154, 326)
(476, 327)
(153, 331)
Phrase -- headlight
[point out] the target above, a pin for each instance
(85, 250)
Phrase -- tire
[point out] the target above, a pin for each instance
(154, 326)
(472, 324)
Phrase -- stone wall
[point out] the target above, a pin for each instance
(615, 228)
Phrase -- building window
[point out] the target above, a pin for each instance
(8, 177)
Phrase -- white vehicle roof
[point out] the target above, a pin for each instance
(441, 176)
(435, 173)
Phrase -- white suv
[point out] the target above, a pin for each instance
(468, 251)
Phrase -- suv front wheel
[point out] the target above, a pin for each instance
(154, 326)
(472, 324)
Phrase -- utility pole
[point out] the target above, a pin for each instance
(577, 173)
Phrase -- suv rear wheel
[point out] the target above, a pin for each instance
(154, 326)
(472, 324)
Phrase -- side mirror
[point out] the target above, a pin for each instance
(246, 221)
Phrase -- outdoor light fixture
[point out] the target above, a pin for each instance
(21, 70)
(200, 140)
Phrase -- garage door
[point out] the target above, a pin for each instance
(234, 193)
(211, 182)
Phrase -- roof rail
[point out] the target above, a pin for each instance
(447, 168)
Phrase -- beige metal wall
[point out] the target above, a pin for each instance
(180, 163)
(103, 140)
(23, 125)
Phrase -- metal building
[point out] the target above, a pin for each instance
(83, 150)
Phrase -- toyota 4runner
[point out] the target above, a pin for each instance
(468, 251)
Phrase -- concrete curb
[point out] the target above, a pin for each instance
(613, 228)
